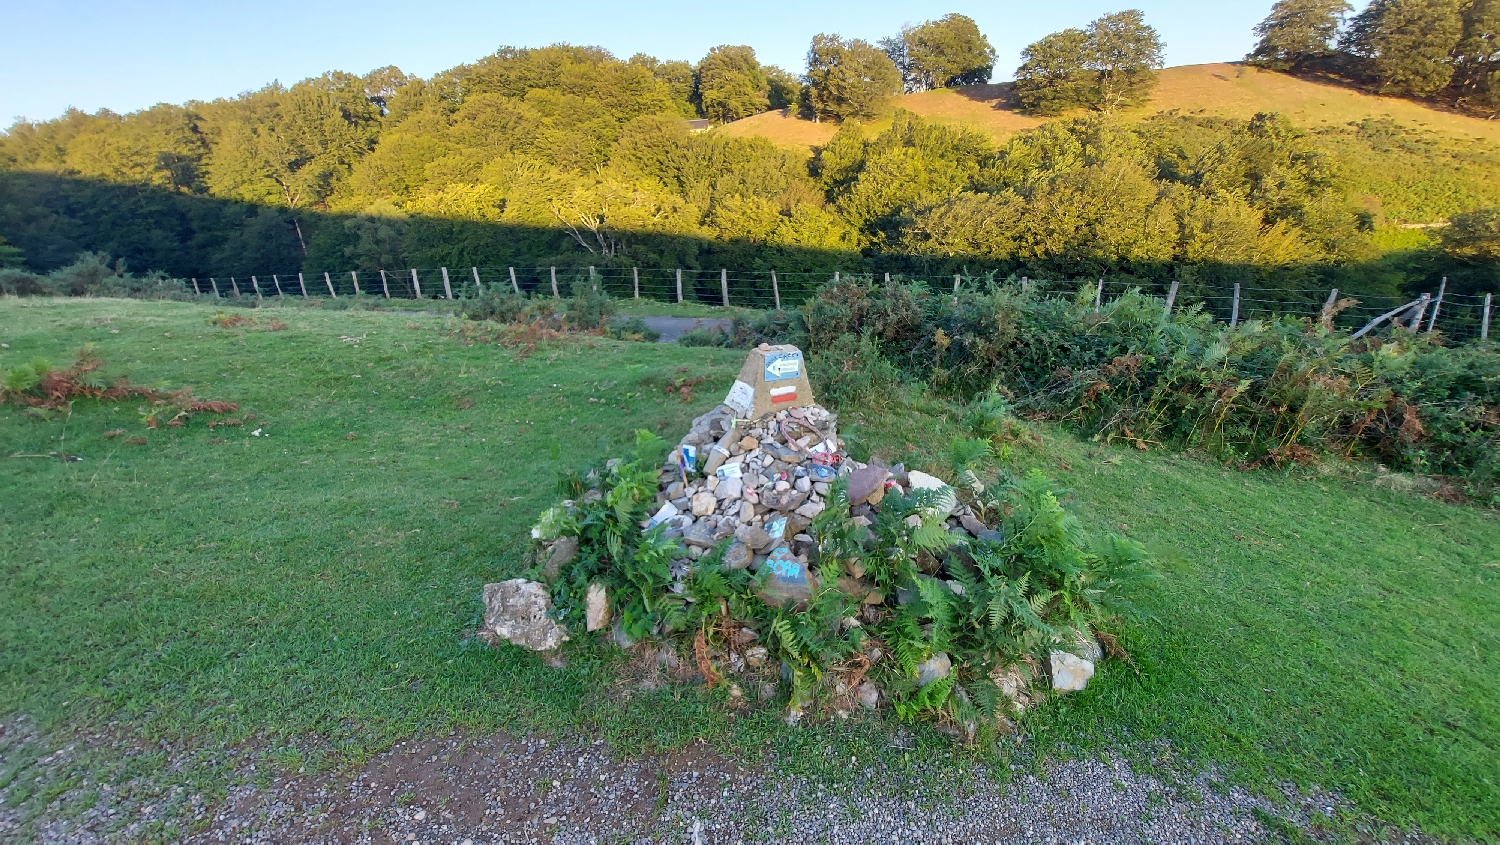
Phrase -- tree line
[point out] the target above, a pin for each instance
(569, 155)
(1447, 49)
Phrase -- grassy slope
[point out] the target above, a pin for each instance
(1223, 89)
(303, 583)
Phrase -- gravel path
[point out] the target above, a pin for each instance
(502, 789)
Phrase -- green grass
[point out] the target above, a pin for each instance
(311, 595)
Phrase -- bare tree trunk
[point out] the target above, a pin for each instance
(298, 227)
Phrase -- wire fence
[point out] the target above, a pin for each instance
(1457, 317)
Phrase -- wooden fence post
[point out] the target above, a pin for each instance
(255, 283)
(776, 290)
(724, 286)
(416, 282)
(1099, 296)
(447, 288)
(1234, 310)
(1484, 322)
(215, 283)
(554, 284)
(1325, 317)
(593, 280)
(276, 280)
(196, 290)
(887, 278)
(1442, 289)
(385, 286)
(679, 285)
(354, 278)
(635, 275)
(1171, 298)
(233, 283)
(478, 288)
(302, 285)
(957, 278)
(328, 280)
(835, 277)
(513, 285)
(1025, 283)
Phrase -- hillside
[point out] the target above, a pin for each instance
(1224, 89)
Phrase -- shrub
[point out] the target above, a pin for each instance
(852, 372)
(632, 328)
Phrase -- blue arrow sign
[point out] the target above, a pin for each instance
(783, 365)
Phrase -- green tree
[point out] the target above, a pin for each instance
(785, 88)
(1298, 32)
(1408, 43)
(1474, 235)
(10, 256)
(731, 84)
(1477, 57)
(849, 78)
(943, 53)
(1054, 75)
(1126, 52)
(1105, 67)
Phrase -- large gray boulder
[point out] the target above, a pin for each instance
(520, 611)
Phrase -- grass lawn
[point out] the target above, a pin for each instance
(308, 592)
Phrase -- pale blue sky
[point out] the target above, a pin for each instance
(126, 55)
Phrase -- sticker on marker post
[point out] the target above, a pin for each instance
(783, 365)
(741, 398)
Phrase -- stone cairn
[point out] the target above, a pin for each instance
(761, 480)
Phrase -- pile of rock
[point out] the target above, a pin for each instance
(758, 482)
